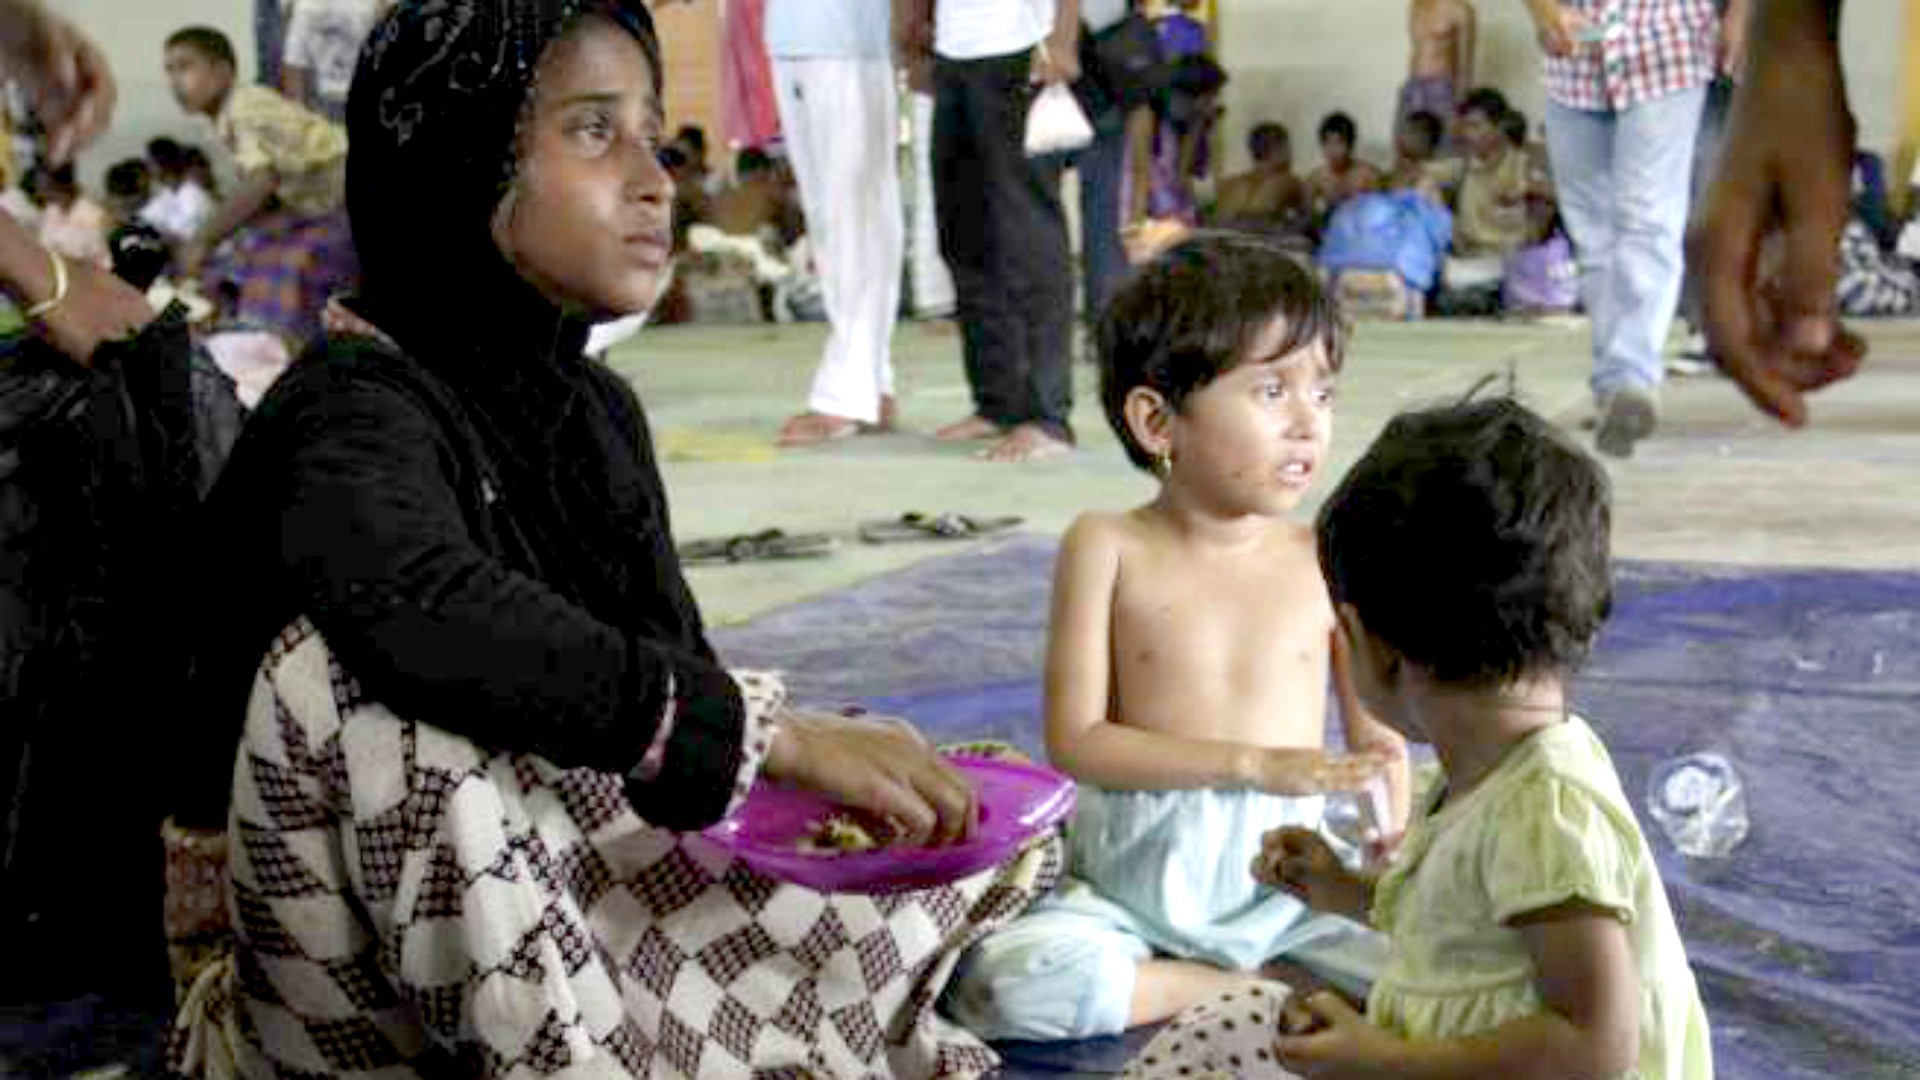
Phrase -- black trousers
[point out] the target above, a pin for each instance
(1003, 233)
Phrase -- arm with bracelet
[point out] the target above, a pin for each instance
(71, 93)
(76, 306)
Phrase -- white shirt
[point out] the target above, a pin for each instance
(324, 38)
(976, 29)
(179, 213)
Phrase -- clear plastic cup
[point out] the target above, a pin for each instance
(1700, 804)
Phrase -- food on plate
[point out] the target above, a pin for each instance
(837, 834)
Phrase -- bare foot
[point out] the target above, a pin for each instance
(809, 428)
(889, 414)
(1027, 442)
(973, 427)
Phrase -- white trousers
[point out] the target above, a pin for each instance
(840, 122)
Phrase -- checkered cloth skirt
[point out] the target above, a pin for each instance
(405, 903)
(282, 267)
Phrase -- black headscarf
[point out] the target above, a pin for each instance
(432, 123)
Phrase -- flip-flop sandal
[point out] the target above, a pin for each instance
(752, 547)
(918, 526)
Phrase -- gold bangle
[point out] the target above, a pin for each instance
(60, 283)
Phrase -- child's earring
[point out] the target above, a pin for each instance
(1163, 464)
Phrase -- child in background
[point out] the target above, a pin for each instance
(180, 205)
(129, 190)
(288, 245)
(1416, 142)
(200, 172)
(72, 225)
(1341, 175)
(1188, 658)
(755, 222)
(1268, 198)
(1530, 929)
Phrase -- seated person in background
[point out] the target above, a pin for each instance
(179, 206)
(1541, 278)
(759, 205)
(200, 172)
(1416, 141)
(1515, 127)
(1341, 175)
(284, 246)
(1189, 656)
(72, 225)
(756, 221)
(129, 189)
(1267, 198)
(691, 140)
(689, 201)
(1490, 185)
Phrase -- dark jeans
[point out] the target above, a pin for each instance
(1004, 236)
(1103, 257)
(269, 40)
(1102, 171)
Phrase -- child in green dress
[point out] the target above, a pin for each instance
(1467, 558)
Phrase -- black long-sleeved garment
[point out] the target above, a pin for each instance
(484, 544)
(468, 510)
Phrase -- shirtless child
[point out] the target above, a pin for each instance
(1187, 668)
(1442, 33)
(755, 219)
(1268, 198)
(1342, 173)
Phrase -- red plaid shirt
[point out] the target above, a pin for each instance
(1652, 48)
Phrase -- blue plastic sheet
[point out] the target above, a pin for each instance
(1806, 940)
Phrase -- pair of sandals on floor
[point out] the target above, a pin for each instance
(778, 544)
(1022, 443)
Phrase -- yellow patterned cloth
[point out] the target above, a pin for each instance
(306, 151)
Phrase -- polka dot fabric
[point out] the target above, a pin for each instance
(1228, 1038)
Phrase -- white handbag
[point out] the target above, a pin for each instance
(1055, 123)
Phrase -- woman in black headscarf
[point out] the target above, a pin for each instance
(456, 521)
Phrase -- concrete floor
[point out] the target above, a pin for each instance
(1718, 484)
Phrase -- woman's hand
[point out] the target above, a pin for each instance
(99, 308)
(69, 87)
(96, 307)
(1301, 862)
(881, 766)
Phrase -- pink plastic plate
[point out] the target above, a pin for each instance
(1017, 803)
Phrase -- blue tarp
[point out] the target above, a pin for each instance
(1806, 940)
